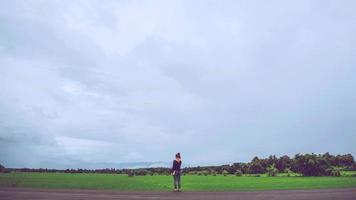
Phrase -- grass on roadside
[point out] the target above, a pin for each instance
(164, 183)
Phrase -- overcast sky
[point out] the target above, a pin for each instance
(85, 82)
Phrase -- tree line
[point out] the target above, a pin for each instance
(304, 164)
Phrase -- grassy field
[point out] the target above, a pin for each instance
(164, 183)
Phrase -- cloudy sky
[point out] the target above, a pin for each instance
(87, 82)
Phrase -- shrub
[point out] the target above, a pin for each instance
(288, 171)
(192, 173)
(130, 174)
(141, 172)
(272, 170)
(254, 175)
(225, 172)
(238, 173)
(205, 172)
(333, 172)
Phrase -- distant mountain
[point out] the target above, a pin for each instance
(75, 164)
(72, 164)
(135, 165)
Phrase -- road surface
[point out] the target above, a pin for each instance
(58, 194)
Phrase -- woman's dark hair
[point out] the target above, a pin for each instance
(177, 155)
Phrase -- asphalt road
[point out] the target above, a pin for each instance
(57, 194)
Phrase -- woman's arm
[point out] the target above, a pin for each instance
(173, 166)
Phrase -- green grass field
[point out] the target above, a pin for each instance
(164, 183)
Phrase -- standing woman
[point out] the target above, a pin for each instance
(176, 172)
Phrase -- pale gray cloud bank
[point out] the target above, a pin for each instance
(88, 82)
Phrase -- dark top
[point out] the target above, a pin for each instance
(176, 165)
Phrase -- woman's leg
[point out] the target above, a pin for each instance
(175, 181)
(178, 180)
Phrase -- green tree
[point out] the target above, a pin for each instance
(256, 168)
(2, 168)
(346, 160)
(283, 163)
(310, 165)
